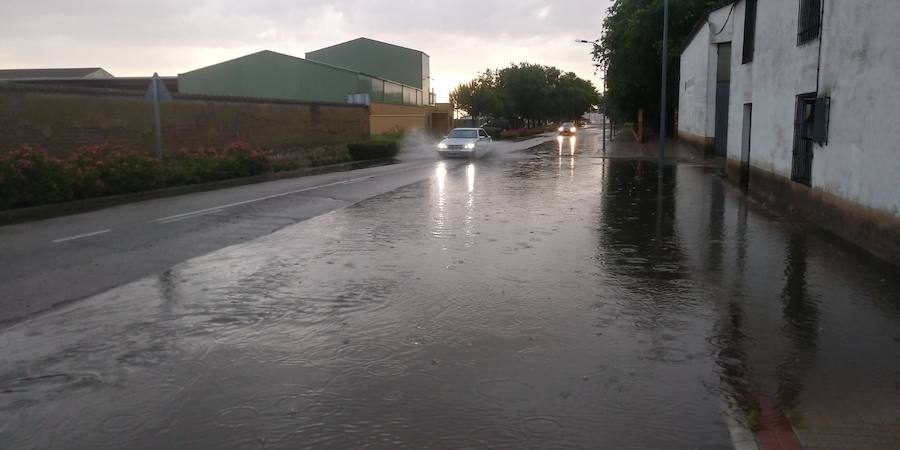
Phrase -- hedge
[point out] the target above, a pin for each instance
(494, 132)
(521, 133)
(373, 149)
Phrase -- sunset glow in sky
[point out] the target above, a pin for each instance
(130, 38)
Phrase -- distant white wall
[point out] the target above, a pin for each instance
(693, 87)
(697, 82)
(859, 71)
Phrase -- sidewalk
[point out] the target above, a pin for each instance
(809, 362)
(623, 145)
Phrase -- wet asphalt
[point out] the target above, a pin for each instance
(550, 298)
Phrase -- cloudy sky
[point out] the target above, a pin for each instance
(131, 38)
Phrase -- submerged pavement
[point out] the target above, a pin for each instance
(546, 300)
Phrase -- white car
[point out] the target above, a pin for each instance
(464, 142)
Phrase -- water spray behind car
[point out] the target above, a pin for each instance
(418, 144)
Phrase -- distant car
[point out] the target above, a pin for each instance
(567, 129)
(463, 142)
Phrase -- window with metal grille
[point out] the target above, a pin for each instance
(749, 32)
(810, 20)
(804, 138)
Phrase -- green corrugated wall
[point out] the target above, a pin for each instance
(383, 60)
(268, 74)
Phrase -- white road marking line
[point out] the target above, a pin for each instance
(72, 238)
(191, 216)
(199, 212)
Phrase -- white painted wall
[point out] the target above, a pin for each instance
(693, 87)
(859, 71)
(697, 82)
(861, 74)
(780, 71)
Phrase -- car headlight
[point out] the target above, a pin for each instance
(470, 145)
(573, 129)
(560, 128)
(442, 145)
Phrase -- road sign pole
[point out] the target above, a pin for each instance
(156, 116)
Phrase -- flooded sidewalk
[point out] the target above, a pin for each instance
(554, 300)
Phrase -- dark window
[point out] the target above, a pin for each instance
(823, 117)
(804, 138)
(810, 20)
(749, 32)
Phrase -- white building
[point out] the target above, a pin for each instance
(812, 91)
(709, 49)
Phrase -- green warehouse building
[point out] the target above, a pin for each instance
(387, 73)
(393, 80)
(406, 66)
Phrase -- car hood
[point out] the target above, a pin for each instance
(459, 141)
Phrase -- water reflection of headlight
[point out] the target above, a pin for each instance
(572, 146)
(470, 177)
(559, 143)
(441, 174)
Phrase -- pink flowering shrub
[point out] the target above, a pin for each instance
(28, 176)
(238, 159)
(106, 170)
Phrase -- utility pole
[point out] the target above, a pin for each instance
(605, 104)
(662, 100)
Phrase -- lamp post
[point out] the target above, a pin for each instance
(605, 107)
(662, 100)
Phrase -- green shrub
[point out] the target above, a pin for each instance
(28, 176)
(285, 164)
(497, 123)
(240, 160)
(494, 132)
(106, 170)
(373, 149)
(521, 133)
(211, 164)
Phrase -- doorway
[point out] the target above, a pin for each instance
(723, 88)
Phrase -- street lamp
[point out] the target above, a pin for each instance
(605, 107)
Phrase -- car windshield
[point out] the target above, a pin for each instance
(568, 125)
(463, 134)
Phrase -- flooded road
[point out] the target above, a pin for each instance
(549, 299)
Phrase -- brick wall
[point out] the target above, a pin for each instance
(387, 118)
(64, 118)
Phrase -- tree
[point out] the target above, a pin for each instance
(480, 96)
(631, 48)
(529, 93)
(463, 98)
(573, 96)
